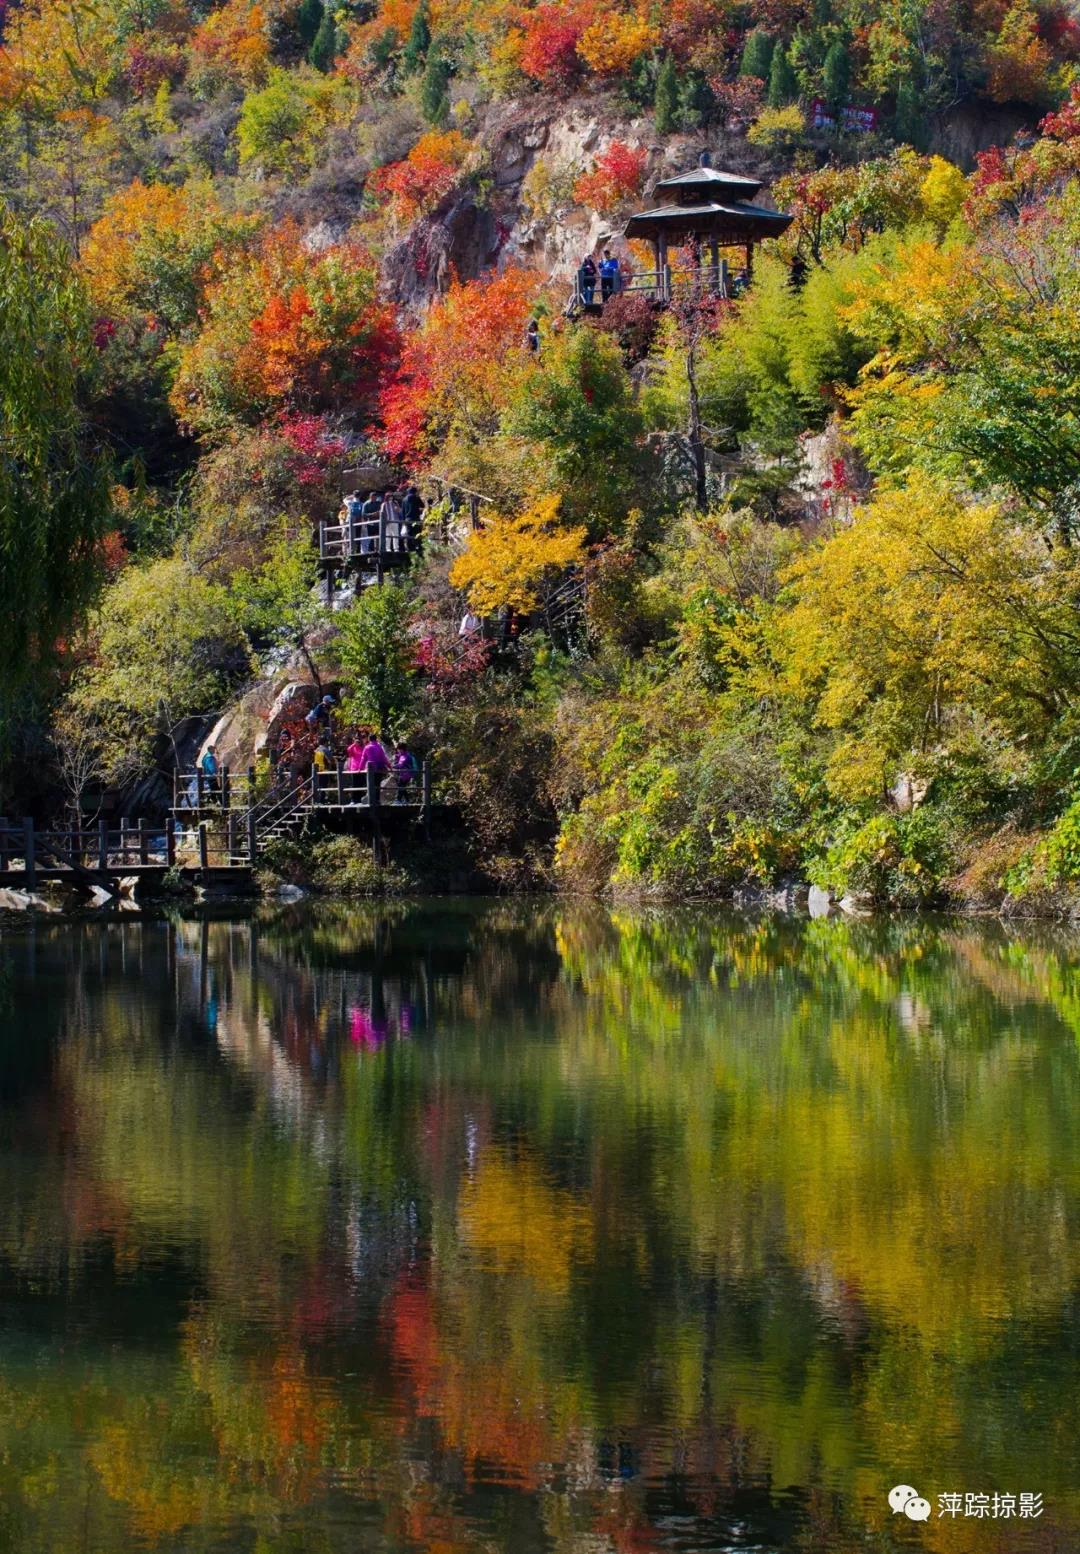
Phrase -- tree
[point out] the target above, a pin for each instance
(506, 562)
(324, 47)
(419, 40)
(579, 413)
(308, 18)
(756, 55)
(166, 643)
(665, 103)
(434, 88)
(379, 657)
(783, 88)
(279, 603)
(836, 77)
(54, 502)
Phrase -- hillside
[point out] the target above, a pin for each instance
(821, 529)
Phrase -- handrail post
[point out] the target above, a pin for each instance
(374, 783)
(29, 857)
(103, 844)
(252, 837)
(170, 842)
(425, 796)
(230, 835)
(144, 841)
(226, 788)
(667, 283)
(204, 847)
(200, 779)
(124, 828)
(251, 785)
(340, 783)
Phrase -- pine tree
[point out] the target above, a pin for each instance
(434, 100)
(664, 103)
(909, 124)
(757, 55)
(836, 77)
(416, 49)
(308, 20)
(323, 50)
(783, 88)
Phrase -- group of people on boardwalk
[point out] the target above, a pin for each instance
(608, 273)
(355, 753)
(394, 515)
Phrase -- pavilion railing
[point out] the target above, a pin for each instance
(664, 284)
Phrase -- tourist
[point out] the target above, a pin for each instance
(369, 519)
(354, 765)
(587, 279)
(390, 521)
(471, 626)
(321, 715)
(373, 758)
(610, 276)
(323, 760)
(532, 337)
(412, 515)
(210, 769)
(406, 769)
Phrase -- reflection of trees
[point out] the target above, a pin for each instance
(623, 1214)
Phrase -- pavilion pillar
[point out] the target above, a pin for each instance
(749, 263)
(714, 261)
(658, 261)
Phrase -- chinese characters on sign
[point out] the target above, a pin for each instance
(1024, 1506)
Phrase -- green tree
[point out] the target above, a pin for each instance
(377, 656)
(271, 121)
(168, 643)
(579, 413)
(909, 120)
(54, 502)
(308, 20)
(665, 102)
(419, 41)
(434, 88)
(326, 43)
(757, 55)
(836, 76)
(279, 604)
(783, 87)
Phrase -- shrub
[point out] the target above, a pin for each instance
(616, 178)
(777, 129)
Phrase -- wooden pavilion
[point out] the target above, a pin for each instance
(707, 212)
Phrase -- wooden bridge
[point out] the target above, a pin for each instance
(108, 859)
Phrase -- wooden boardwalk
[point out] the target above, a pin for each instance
(107, 859)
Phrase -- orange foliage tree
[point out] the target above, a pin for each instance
(287, 330)
(454, 366)
(616, 177)
(416, 184)
(614, 42)
(233, 43)
(155, 248)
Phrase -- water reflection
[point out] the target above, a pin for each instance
(463, 1227)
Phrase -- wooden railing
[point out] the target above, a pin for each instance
(372, 541)
(664, 284)
(99, 849)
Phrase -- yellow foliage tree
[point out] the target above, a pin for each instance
(943, 191)
(614, 42)
(925, 615)
(507, 560)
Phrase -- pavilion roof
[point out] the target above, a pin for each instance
(737, 220)
(711, 183)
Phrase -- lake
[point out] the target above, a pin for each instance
(471, 1227)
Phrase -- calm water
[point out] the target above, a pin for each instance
(481, 1228)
